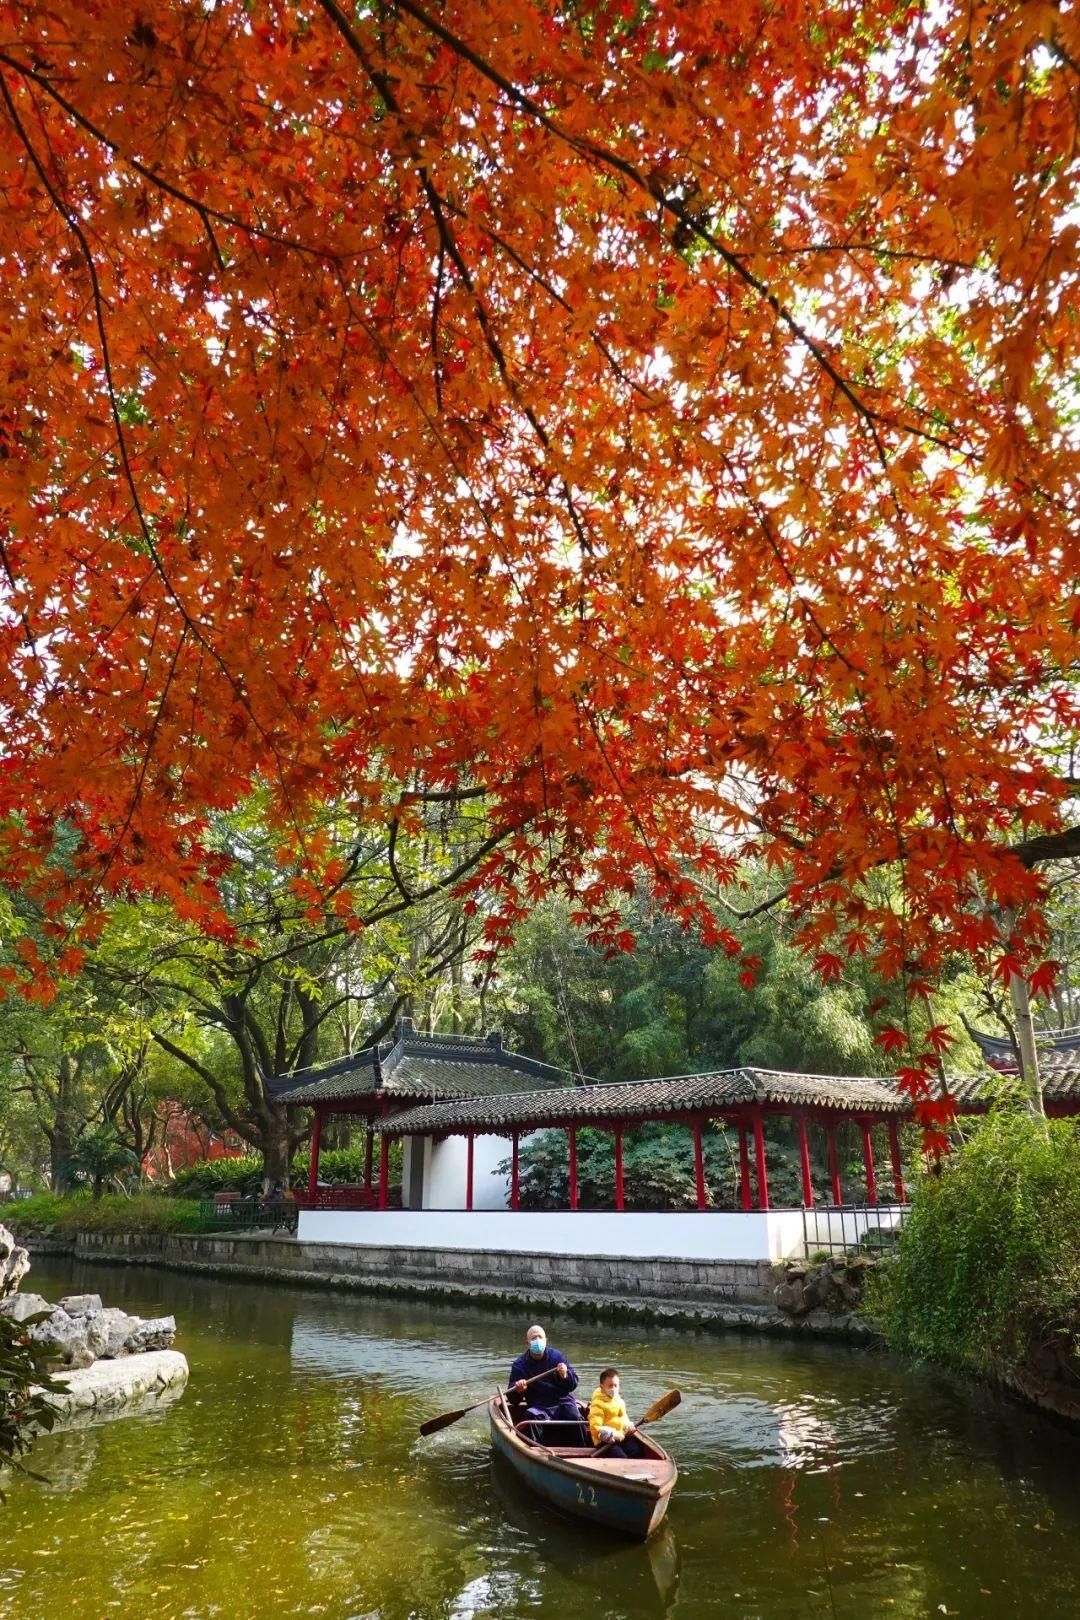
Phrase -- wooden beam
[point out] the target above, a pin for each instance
(515, 1173)
(760, 1164)
(868, 1160)
(699, 1167)
(744, 1169)
(572, 1137)
(470, 1141)
(619, 1197)
(369, 1138)
(834, 1164)
(804, 1157)
(316, 1141)
(899, 1190)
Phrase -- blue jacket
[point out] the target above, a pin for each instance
(546, 1394)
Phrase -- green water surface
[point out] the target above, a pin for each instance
(288, 1479)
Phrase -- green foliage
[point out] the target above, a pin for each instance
(65, 1216)
(337, 1166)
(33, 1214)
(210, 1176)
(658, 1168)
(990, 1256)
(99, 1155)
(673, 1007)
(25, 1387)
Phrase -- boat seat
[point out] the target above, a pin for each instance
(556, 1436)
(649, 1468)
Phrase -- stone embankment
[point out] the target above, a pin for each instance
(119, 1388)
(706, 1295)
(834, 1287)
(106, 1360)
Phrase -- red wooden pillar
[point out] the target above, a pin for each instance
(369, 1138)
(868, 1161)
(744, 1168)
(834, 1165)
(470, 1141)
(899, 1189)
(619, 1203)
(572, 1135)
(804, 1156)
(515, 1173)
(699, 1166)
(316, 1139)
(384, 1169)
(760, 1165)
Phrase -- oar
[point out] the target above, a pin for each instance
(444, 1420)
(667, 1403)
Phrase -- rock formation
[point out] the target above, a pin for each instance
(77, 1338)
(14, 1263)
(835, 1286)
(79, 1330)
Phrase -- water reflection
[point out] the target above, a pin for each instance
(290, 1480)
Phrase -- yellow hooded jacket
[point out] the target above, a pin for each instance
(607, 1411)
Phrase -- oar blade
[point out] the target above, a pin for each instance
(443, 1421)
(667, 1403)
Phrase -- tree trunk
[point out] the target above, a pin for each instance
(274, 1146)
(1025, 1038)
(1024, 1024)
(63, 1132)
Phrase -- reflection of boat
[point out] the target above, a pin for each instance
(626, 1494)
(629, 1577)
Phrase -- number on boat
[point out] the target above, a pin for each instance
(590, 1499)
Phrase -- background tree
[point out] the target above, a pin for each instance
(101, 1156)
(292, 978)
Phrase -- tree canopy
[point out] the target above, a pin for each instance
(652, 419)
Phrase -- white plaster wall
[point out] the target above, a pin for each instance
(446, 1168)
(687, 1235)
(411, 1148)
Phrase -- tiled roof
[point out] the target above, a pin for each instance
(1056, 1047)
(1060, 1078)
(648, 1099)
(423, 1066)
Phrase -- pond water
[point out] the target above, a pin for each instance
(288, 1479)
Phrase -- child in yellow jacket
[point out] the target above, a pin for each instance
(609, 1420)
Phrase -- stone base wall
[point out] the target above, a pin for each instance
(709, 1281)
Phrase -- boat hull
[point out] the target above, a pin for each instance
(628, 1497)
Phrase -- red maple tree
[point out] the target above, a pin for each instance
(651, 416)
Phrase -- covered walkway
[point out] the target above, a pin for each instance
(741, 1098)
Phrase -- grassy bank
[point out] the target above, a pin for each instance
(47, 1213)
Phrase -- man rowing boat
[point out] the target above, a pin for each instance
(551, 1398)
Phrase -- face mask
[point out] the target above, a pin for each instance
(536, 1346)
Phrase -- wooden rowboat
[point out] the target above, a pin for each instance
(630, 1495)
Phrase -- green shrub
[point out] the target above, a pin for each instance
(32, 1214)
(658, 1169)
(147, 1212)
(990, 1256)
(337, 1166)
(210, 1176)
